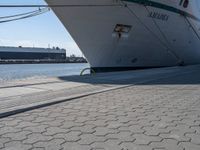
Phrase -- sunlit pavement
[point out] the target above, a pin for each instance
(152, 109)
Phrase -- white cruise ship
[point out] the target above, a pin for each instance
(132, 34)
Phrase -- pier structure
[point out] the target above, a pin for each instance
(154, 109)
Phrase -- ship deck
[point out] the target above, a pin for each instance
(146, 109)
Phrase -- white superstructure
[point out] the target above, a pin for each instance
(128, 34)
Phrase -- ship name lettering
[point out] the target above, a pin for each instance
(159, 16)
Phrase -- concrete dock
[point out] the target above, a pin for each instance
(154, 109)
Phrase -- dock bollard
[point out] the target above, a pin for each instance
(91, 71)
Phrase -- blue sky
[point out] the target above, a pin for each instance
(39, 31)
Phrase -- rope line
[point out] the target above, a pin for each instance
(17, 15)
(23, 15)
(32, 6)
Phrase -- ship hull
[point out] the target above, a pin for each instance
(155, 37)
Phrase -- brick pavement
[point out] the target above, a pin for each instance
(153, 116)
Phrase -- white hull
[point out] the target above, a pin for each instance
(151, 42)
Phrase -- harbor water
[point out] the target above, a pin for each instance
(25, 71)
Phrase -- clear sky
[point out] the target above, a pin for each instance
(39, 31)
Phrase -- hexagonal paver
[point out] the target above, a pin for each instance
(36, 137)
(123, 136)
(132, 146)
(25, 124)
(54, 144)
(18, 136)
(195, 138)
(86, 129)
(137, 129)
(107, 145)
(3, 141)
(70, 124)
(72, 136)
(176, 135)
(145, 139)
(102, 131)
(75, 146)
(6, 129)
(36, 129)
(11, 123)
(168, 144)
(88, 139)
(17, 145)
(154, 131)
(98, 123)
(55, 130)
(189, 146)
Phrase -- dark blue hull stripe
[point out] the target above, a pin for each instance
(115, 69)
(164, 6)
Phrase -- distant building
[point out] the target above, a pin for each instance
(27, 53)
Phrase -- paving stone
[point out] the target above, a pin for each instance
(43, 119)
(56, 115)
(16, 145)
(189, 146)
(54, 144)
(196, 128)
(75, 146)
(86, 129)
(123, 136)
(195, 138)
(115, 125)
(107, 145)
(70, 124)
(55, 130)
(37, 149)
(133, 129)
(98, 123)
(102, 131)
(36, 129)
(25, 124)
(145, 140)
(154, 131)
(5, 130)
(3, 141)
(2, 125)
(18, 136)
(72, 136)
(36, 137)
(123, 119)
(168, 144)
(88, 139)
(132, 146)
(177, 135)
(161, 124)
(28, 117)
(11, 123)
(82, 119)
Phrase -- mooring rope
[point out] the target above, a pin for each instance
(21, 16)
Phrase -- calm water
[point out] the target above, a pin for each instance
(23, 71)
